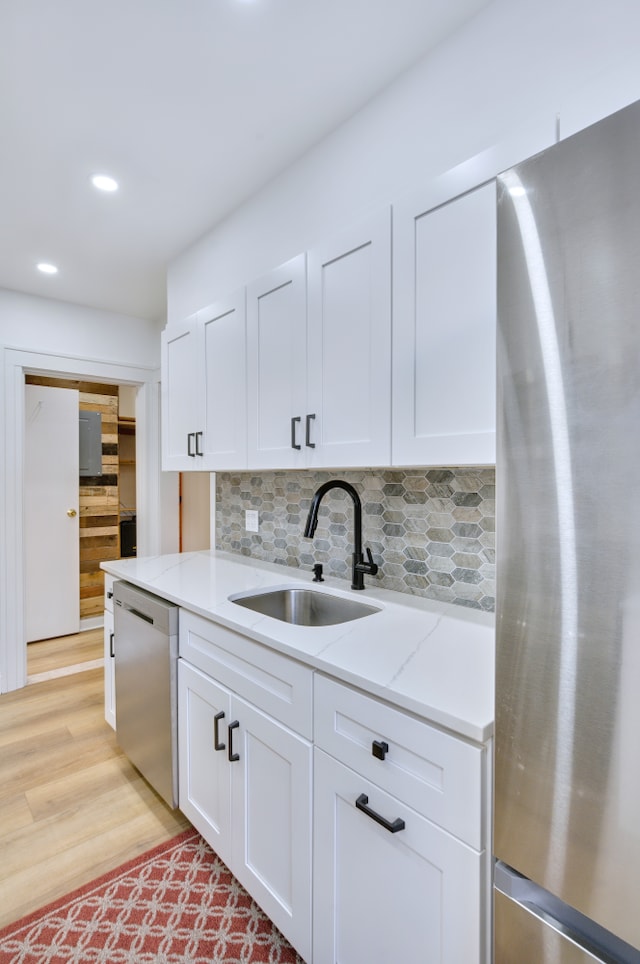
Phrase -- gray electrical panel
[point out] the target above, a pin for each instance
(90, 443)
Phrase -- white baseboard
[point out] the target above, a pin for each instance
(91, 622)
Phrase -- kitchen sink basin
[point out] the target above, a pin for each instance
(305, 607)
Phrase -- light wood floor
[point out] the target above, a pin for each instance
(71, 805)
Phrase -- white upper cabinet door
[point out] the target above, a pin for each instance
(277, 367)
(222, 386)
(179, 395)
(348, 417)
(444, 324)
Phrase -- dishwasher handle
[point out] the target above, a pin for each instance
(154, 610)
(136, 612)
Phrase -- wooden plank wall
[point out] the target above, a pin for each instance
(99, 502)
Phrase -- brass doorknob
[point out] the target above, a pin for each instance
(71, 513)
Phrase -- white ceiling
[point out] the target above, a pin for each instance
(192, 104)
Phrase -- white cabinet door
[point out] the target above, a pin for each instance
(245, 784)
(412, 896)
(180, 372)
(277, 367)
(204, 713)
(271, 805)
(444, 324)
(349, 347)
(204, 390)
(222, 386)
(109, 671)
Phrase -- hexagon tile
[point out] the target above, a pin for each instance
(432, 532)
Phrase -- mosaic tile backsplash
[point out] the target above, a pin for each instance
(431, 532)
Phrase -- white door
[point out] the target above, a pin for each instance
(180, 423)
(271, 806)
(222, 381)
(52, 548)
(277, 367)
(401, 890)
(349, 346)
(204, 710)
(444, 329)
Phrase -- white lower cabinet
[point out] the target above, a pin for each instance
(400, 864)
(245, 784)
(109, 655)
(397, 810)
(380, 896)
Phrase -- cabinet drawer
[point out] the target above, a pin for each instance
(108, 591)
(437, 775)
(274, 683)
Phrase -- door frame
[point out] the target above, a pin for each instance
(16, 363)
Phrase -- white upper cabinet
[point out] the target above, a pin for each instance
(444, 322)
(180, 419)
(276, 366)
(222, 353)
(349, 347)
(204, 389)
(319, 354)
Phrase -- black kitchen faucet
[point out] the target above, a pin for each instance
(359, 564)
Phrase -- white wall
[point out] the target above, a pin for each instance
(45, 325)
(515, 63)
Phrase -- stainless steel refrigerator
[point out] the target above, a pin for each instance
(567, 780)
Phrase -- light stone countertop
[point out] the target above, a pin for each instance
(431, 658)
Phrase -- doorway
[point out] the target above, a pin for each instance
(101, 508)
(155, 497)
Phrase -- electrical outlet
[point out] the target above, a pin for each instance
(251, 520)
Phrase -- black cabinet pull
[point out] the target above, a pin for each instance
(198, 449)
(295, 419)
(308, 442)
(391, 825)
(190, 435)
(110, 594)
(111, 650)
(216, 736)
(233, 757)
(379, 749)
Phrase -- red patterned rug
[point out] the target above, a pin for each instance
(176, 904)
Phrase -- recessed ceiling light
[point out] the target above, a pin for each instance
(517, 191)
(104, 182)
(47, 268)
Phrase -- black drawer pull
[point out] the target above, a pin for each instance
(190, 435)
(216, 736)
(391, 826)
(379, 749)
(233, 757)
(198, 449)
(111, 650)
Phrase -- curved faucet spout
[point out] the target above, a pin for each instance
(359, 565)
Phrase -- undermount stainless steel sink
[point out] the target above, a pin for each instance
(304, 607)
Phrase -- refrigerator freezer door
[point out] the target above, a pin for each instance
(533, 925)
(523, 936)
(567, 787)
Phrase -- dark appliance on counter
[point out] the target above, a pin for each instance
(567, 780)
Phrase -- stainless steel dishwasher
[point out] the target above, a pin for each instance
(146, 657)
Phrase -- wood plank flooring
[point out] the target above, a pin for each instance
(48, 656)
(71, 805)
